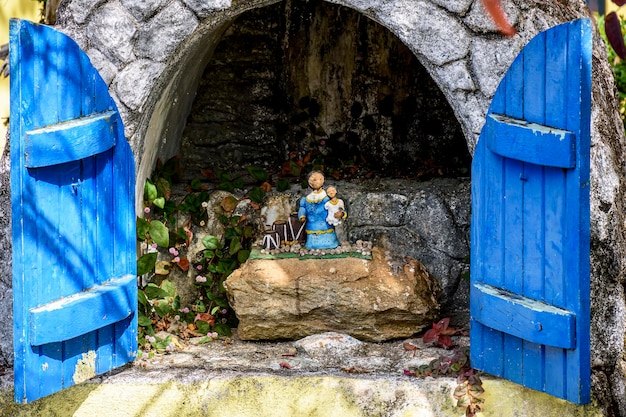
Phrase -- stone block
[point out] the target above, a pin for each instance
(292, 298)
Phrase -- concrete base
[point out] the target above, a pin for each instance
(247, 379)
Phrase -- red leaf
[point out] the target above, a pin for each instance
(495, 10)
(285, 365)
(442, 324)
(613, 31)
(430, 336)
(205, 317)
(619, 2)
(266, 186)
(208, 173)
(409, 346)
(445, 340)
(183, 264)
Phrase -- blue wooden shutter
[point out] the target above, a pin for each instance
(530, 220)
(72, 185)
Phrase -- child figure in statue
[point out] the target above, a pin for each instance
(319, 234)
(333, 206)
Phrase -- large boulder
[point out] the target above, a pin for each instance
(370, 300)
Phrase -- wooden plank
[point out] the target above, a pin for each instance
(21, 91)
(524, 317)
(486, 351)
(125, 245)
(577, 291)
(533, 204)
(513, 197)
(71, 140)
(532, 142)
(100, 306)
(42, 201)
(555, 210)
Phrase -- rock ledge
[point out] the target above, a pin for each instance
(291, 299)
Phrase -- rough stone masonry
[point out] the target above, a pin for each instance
(152, 53)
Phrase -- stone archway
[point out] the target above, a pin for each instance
(151, 54)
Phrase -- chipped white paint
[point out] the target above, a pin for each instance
(536, 128)
(85, 367)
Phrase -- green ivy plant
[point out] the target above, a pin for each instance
(165, 232)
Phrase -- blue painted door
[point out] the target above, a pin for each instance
(530, 220)
(72, 186)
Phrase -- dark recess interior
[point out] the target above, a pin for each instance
(322, 86)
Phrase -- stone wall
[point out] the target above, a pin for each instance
(6, 295)
(325, 80)
(424, 220)
(153, 53)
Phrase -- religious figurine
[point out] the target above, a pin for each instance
(333, 206)
(319, 234)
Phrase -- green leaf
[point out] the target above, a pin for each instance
(196, 184)
(231, 233)
(159, 202)
(149, 330)
(208, 254)
(170, 207)
(211, 242)
(164, 188)
(243, 255)
(153, 291)
(476, 390)
(248, 231)
(226, 186)
(146, 263)
(222, 329)
(159, 233)
(256, 195)
(238, 183)
(144, 321)
(143, 227)
(223, 176)
(168, 287)
(295, 169)
(221, 302)
(215, 310)
(282, 185)
(203, 326)
(205, 339)
(141, 297)
(257, 173)
(149, 192)
(162, 308)
(200, 307)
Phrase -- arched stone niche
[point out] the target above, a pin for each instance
(152, 53)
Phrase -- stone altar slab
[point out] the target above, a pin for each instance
(371, 300)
